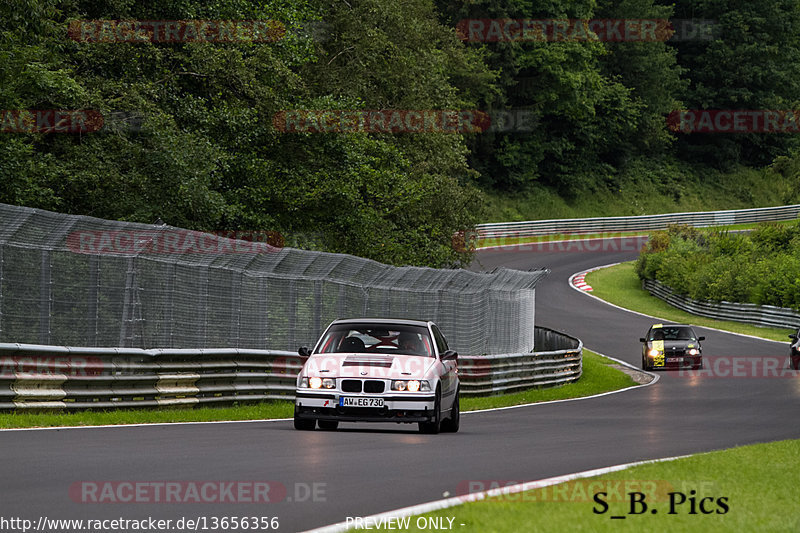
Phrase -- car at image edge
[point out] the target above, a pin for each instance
(379, 370)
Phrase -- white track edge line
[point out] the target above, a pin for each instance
(656, 317)
(438, 505)
(148, 424)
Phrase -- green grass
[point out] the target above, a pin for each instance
(598, 376)
(648, 188)
(759, 483)
(258, 411)
(621, 286)
(499, 241)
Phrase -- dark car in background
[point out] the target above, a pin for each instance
(671, 346)
(794, 351)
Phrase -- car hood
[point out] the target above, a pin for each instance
(675, 345)
(366, 365)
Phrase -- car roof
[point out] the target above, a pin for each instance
(382, 321)
(655, 326)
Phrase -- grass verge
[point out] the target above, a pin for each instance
(758, 483)
(620, 286)
(598, 376)
(511, 241)
(259, 411)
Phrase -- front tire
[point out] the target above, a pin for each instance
(435, 425)
(451, 424)
(303, 424)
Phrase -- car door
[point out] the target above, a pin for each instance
(449, 375)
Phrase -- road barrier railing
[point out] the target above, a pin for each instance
(58, 377)
(635, 223)
(760, 315)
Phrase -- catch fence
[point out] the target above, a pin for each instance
(81, 281)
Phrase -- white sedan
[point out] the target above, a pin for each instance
(379, 370)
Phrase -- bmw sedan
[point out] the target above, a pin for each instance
(671, 346)
(379, 370)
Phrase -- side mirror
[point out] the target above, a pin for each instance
(450, 355)
(793, 337)
(304, 351)
(642, 339)
(701, 338)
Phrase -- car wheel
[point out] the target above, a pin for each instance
(304, 424)
(435, 425)
(794, 362)
(451, 424)
(644, 364)
(329, 425)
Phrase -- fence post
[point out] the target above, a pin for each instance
(1, 291)
(92, 301)
(127, 304)
(45, 298)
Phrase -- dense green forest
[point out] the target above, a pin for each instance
(190, 133)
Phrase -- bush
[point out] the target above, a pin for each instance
(762, 267)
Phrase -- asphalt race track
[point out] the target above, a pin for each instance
(365, 469)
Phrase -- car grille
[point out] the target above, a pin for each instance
(351, 385)
(356, 385)
(374, 386)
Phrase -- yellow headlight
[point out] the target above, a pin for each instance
(315, 383)
(413, 385)
(653, 352)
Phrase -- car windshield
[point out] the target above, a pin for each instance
(677, 333)
(388, 339)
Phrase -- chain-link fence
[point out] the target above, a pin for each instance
(81, 281)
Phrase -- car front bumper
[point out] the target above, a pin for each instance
(685, 361)
(397, 407)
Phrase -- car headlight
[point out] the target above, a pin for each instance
(412, 385)
(653, 352)
(694, 351)
(318, 383)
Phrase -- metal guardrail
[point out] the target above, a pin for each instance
(636, 223)
(760, 315)
(57, 377)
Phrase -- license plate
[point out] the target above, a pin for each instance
(356, 401)
(674, 359)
